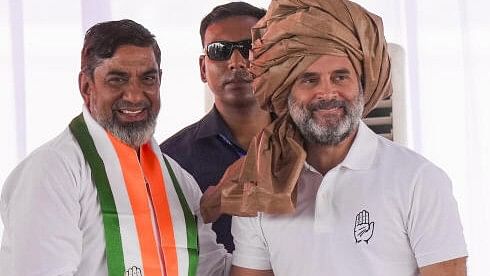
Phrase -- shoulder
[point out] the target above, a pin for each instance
(182, 138)
(57, 162)
(410, 169)
(398, 156)
(190, 145)
(60, 152)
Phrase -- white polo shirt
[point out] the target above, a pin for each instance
(384, 210)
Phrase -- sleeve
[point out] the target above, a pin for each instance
(40, 211)
(213, 257)
(434, 227)
(251, 249)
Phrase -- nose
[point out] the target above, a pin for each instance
(237, 61)
(326, 90)
(134, 93)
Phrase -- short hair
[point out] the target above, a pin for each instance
(102, 40)
(229, 10)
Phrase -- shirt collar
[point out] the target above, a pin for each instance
(212, 125)
(362, 153)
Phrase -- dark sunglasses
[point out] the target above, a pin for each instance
(222, 50)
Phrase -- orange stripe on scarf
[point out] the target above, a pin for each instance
(138, 197)
(152, 169)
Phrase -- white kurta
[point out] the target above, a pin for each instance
(53, 222)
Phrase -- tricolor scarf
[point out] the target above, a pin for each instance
(149, 227)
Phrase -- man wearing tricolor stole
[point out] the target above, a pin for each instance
(100, 199)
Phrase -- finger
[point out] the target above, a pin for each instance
(211, 189)
(357, 218)
(364, 216)
(367, 217)
(211, 197)
(210, 204)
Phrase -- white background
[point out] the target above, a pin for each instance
(447, 45)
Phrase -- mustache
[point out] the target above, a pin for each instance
(238, 76)
(122, 104)
(326, 104)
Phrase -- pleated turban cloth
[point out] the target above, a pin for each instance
(293, 35)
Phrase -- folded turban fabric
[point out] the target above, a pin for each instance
(293, 35)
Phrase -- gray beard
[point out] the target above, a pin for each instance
(134, 134)
(326, 132)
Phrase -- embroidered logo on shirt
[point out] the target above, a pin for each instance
(363, 228)
(133, 271)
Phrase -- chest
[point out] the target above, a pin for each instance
(343, 218)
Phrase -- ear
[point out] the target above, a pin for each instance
(85, 87)
(160, 76)
(202, 66)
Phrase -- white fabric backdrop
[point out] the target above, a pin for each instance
(447, 44)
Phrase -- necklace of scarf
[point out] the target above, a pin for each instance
(148, 225)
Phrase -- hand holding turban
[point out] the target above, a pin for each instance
(293, 35)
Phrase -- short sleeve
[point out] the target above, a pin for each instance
(250, 246)
(434, 227)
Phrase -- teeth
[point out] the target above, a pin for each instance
(125, 111)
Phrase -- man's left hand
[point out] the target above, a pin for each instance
(211, 204)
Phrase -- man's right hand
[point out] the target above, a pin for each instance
(210, 204)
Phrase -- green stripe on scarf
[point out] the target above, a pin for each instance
(114, 250)
(190, 221)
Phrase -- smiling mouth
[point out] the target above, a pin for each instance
(329, 109)
(328, 112)
(126, 111)
(132, 115)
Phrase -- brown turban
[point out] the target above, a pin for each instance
(293, 35)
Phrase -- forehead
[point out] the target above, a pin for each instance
(130, 56)
(330, 63)
(234, 28)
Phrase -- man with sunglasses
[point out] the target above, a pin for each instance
(206, 148)
(318, 192)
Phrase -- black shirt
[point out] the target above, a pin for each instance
(205, 149)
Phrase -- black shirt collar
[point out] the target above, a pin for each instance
(212, 125)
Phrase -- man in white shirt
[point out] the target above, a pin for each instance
(363, 205)
(100, 199)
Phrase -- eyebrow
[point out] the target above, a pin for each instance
(122, 73)
(336, 71)
(151, 71)
(117, 73)
(342, 71)
(306, 75)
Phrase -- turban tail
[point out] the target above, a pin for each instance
(292, 36)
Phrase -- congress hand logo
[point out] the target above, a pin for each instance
(363, 229)
(133, 271)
